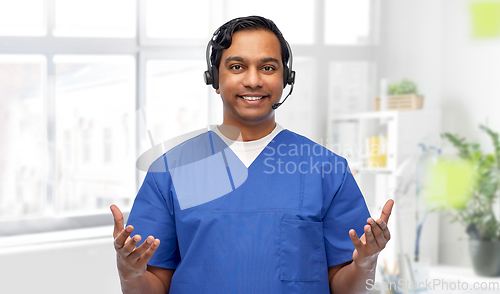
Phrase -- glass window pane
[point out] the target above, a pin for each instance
(95, 132)
(22, 136)
(23, 17)
(177, 98)
(298, 112)
(187, 19)
(347, 22)
(95, 18)
(295, 31)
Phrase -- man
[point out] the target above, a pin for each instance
(271, 213)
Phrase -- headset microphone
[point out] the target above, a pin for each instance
(276, 105)
(288, 77)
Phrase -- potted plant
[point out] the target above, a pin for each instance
(402, 95)
(482, 199)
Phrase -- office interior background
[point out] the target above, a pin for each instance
(83, 82)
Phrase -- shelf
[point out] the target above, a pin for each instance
(364, 115)
(372, 170)
(390, 114)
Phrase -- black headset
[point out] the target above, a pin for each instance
(211, 75)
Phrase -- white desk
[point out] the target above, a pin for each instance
(465, 278)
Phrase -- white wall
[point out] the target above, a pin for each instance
(81, 267)
(471, 76)
(414, 45)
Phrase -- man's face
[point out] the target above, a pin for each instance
(251, 77)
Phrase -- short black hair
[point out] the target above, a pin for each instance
(224, 36)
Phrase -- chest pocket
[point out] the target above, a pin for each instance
(301, 248)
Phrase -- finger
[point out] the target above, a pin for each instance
(355, 240)
(378, 234)
(385, 229)
(149, 253)
(131, 245)
(386, 211)
(370, 239)
(137, 253)
(122, 238)
(118, 220)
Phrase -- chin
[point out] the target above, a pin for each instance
(257, 116)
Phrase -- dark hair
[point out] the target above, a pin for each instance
(224, 36)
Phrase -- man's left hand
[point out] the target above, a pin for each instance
(373, 240)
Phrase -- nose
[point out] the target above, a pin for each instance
(252, 78)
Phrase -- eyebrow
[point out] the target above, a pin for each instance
(234, 58)
(241, 59)
(270, 59)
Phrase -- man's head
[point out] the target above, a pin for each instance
(224, 37)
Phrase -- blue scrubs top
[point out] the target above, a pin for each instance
(275, 227)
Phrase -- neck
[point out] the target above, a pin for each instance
(247, 132)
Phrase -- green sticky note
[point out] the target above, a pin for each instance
(485, 19)
(449, 183)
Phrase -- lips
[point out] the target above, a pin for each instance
(252, 97)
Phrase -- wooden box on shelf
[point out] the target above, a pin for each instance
(402, 102)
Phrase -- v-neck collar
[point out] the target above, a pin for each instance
(256, 158)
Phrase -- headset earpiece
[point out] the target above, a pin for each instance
(208, 78)
(288, 73)
(211, 75)
(215, 77)
(288, 76)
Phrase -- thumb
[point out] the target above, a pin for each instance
(118, 220)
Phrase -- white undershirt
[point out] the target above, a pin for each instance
(248, 151)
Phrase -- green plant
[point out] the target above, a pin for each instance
(478, 215)
(403, 87)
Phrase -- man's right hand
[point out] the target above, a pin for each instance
(130, 259)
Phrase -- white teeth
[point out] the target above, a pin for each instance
(252, 98)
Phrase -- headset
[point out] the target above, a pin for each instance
(211, 75)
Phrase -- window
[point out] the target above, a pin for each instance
(92, 84)
(296, 30)
(94, 96)
(23, 158)
(95, 18)
(175, 105)
(172, 19)
(23, 17)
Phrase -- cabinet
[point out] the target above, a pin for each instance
(404, 133)
(348, 136)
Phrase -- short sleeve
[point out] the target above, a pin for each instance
(153, 215)
(347, 210)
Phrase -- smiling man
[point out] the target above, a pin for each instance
(250, 82)
(288, 223)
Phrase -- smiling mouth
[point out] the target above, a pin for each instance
(252, 98)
